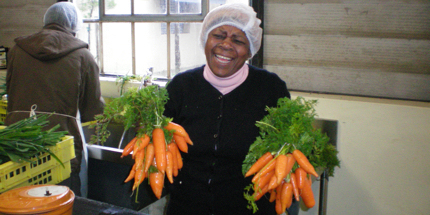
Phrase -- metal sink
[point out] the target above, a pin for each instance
(328, 127)
(111, 149)
(107, 171)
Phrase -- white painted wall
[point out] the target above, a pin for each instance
(383, 147)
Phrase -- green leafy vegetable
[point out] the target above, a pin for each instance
(141, 109)
(26, 139)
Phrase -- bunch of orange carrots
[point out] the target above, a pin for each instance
(156, 159)
(275, 175)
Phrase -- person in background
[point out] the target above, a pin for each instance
(56, 72)
(218, 104)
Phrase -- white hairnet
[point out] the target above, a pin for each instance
(64, 14)
(238, 15)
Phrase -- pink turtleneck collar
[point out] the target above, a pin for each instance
(227, 84)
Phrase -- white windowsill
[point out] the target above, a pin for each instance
(110, 89)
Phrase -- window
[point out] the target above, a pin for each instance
(141, 37)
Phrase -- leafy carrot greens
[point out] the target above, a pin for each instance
(287, 127)
(141, 109)
(290, 125)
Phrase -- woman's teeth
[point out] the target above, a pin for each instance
(223, 58)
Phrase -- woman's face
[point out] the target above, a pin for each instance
(226, 50)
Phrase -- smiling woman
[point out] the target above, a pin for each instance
(226, 50)
(218, 104)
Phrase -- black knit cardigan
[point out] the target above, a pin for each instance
(222, 128)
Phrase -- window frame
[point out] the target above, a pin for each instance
(168, 18)
(258, 6)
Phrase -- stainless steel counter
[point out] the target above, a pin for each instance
(110, 150)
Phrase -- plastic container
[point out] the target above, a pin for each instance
(3, 110)
(38, 199)
(46, 170)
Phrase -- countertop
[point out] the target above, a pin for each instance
(85, 206)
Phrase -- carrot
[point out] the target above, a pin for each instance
(273, 182)
(263, 181)
(301, 177)
(290, 200)
(281, 168)
(308, 195)
(180, 141)
(140, 144)
(279, 190)
(154, 162)
(180, 161)
(272, 195)
(138, 178)
(266, 169)
(156, 180)
(290, 162)
(278, 203)
(169, 166)
(140, 155)
(178, 155)
(131, 174)
(135, 147)
(159, 142)
(293, 180)
(260, 193)
(179, 130)
(303, 162)
(259, 164)
(172, 148)
(129, 147)
(286, 195)
(149, 156)
(278, 206)
(175, 166)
